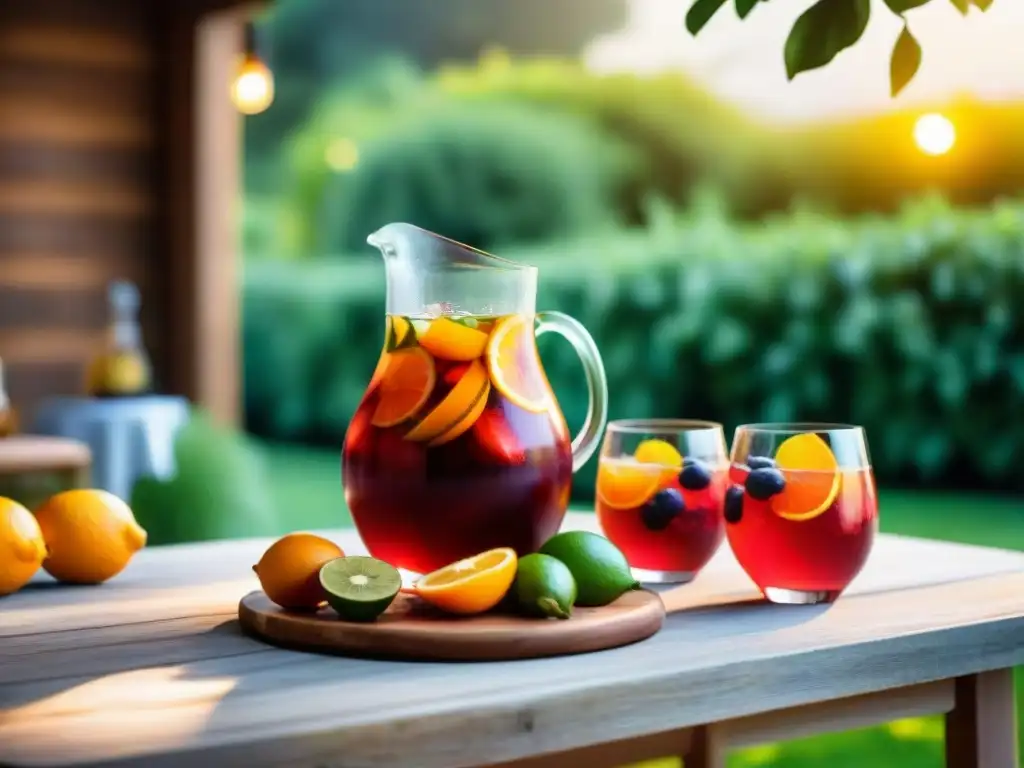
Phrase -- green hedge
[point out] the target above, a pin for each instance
(907, 325)
(507, 174)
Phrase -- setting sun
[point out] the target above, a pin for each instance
(934, 134)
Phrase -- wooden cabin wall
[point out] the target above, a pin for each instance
(79, 183)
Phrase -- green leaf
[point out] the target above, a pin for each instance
(700, 13)
(900, 6)
(744, 7)
(906, 60)
(824, 29)
(984, 5)
(962, 5)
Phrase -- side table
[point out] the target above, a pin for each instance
(129, 437)
(33, 467)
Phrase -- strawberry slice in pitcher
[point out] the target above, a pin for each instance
(495, 437)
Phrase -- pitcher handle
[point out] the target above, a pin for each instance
(588, 438)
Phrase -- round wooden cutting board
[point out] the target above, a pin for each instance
(410, 629)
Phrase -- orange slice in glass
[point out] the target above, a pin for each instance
(514, 364)
(660, 452)
(458, 410)
(405, 386)
(627, 483)
(473, 585)
(449, 340)
(812, 477)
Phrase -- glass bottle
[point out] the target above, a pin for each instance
(122, 369)
(8, 417)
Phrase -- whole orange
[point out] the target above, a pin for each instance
(289, 570)
(90, 535)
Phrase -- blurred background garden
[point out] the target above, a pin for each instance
(741, 248)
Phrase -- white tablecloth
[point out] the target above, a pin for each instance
(129, 437)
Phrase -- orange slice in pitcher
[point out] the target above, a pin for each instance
(812, 477)
(473, 585)
(449, 340)
(406, 384)
(458, 410)
(402, 333)
(382, 361)
(514, 364)
(627, 483)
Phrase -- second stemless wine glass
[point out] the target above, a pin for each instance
(801, 512)
(660, 494)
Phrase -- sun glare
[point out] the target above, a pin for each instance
(934, 134)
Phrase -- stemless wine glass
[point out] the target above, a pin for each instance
(660, 495)
(802, 511)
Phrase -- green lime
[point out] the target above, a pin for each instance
(359, 588)
(599, 567)
(544, 587)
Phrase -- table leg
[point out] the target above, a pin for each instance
(981, 730)
(708, 748)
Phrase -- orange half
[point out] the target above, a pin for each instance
(449, 340)
(407, 382)
(473, 585)
(458, 410)
(514, 364)
(812, 477)
(627, 483)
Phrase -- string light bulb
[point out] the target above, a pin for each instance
(252, 90)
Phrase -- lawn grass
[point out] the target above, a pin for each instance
(306, 485)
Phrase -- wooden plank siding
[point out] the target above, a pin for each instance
(119, 160)
(78, 186)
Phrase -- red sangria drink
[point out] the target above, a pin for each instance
(661, 487)
(801, 509)
(458, 446)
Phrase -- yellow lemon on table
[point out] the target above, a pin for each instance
(90, 535)
(289, 570)
(21, 546)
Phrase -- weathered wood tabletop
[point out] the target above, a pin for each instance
(151, 669)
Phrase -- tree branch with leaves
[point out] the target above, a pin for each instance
(831, 26)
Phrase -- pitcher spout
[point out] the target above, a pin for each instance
(425, 270)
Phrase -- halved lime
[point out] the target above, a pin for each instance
(359, 588)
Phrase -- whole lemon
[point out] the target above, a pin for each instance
(289, 570)
(90, 535)
(21, 546)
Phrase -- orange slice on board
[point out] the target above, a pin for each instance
(627, 483)
(407, 383)
(660, 452)
(812, 477)
(449, 340)
(514, 364)
(473, 585)
(458, 410)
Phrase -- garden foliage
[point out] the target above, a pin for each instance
(908, 325)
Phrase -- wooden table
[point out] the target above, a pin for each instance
(151, 670)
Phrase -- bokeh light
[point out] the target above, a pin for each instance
(253, 88)
(934, 134)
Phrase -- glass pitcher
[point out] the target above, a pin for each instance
(458, 445)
